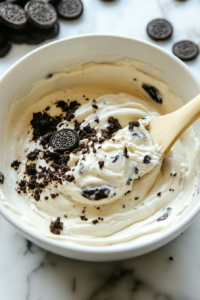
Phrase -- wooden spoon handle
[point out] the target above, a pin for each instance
(165, 130)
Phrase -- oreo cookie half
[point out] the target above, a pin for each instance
(41, 14)
(159, 29)
(12, 15)
(70, 9)
(95, 192)
(66, 139)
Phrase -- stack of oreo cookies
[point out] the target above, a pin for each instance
(33, 22)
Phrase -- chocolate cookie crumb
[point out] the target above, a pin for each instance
(83, 218)
(95, 106)
(56, 226)
(101, 164)
(136, 198)
(69, 178)
(33, 155)
(31, 169)
(171, 258)
(129, 181)
(46, 197)
(159, 194)
(165, 215)
(131, 125)
(115, 158)
(147, 159)
(36, 195)
(126, 152)
(136, 170)
(1, 178)
(96, 119)
(95, 222)
(15, 164)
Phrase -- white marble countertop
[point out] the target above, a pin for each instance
(30, 273)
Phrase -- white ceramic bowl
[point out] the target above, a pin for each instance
(55, 57)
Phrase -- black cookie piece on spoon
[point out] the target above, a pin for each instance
(95, 192)
(70, 9)
(186, 50)
(65, 139)
(41, 14)
(12, 15)
(159, 29)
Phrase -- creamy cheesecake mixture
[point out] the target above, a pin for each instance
(113, 187)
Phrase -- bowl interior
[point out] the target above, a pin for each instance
(20, 79)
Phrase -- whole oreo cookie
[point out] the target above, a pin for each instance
(41, 14)
(69, 9)
(5, 48)
(65, 139)
(95, 192)
(186, 50)
(159, 29)
(12, 15)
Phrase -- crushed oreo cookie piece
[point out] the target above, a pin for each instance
(1, 178)
(136, 169)
(96, 119)
(15, 164)
(83, 218)
(95, 106)
(56, 226)
(87, 132)
(165, 215)
(147, 159)
(37, 195)
(101, 164)
(31, 169)
(33, 155)
(63, 105)
(125, 152)
(115, 158)
(131, 125)
(129, 181)
(153, 92)
(95, 192)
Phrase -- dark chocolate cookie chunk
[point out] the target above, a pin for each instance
(185, 50)
(95, 192)
(1, 178)
(12, 15)
(159, 29)
(153, 92)
(70, 9)
(41, 14)
(65, 139)
(5, 48)
(165, 215)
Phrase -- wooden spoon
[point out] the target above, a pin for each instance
(166, 130)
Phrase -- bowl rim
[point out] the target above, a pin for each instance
(109, 249)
